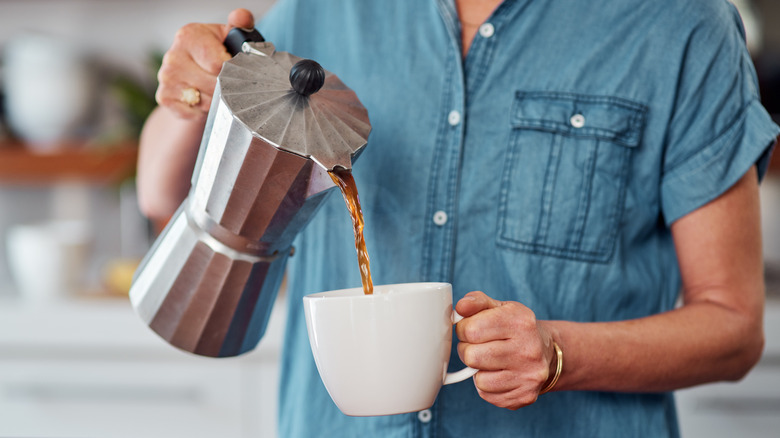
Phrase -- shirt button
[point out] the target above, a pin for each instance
(425, 416)
(577, 120)
(487, 30)
(454, 118)
(440, 218)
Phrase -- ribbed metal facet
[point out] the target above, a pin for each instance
(201, 297)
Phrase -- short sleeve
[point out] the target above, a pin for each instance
(719, 128)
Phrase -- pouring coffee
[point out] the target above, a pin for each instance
(277, 126)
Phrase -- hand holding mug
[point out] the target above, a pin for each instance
(507, 344)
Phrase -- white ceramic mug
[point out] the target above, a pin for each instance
(385, 353)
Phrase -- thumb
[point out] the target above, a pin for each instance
(475, 302)
(241, 18)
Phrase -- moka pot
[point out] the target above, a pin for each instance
(276, 126)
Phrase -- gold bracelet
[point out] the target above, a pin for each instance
(558, 368)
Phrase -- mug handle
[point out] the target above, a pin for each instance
(465, 373)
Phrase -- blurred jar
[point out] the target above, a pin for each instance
(48, 260)
(49, 90)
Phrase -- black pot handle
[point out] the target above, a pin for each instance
(237, 37)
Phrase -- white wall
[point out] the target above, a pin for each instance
(122, 31)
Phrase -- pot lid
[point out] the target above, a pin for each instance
(295, 105)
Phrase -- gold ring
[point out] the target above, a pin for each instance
(190, 96)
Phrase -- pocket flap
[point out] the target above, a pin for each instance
(604, 117)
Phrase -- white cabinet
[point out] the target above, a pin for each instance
(92, 369)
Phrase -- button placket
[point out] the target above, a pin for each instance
(438, 240)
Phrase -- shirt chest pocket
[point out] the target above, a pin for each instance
(564, 179)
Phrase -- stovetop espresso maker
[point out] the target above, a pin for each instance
(276, 126)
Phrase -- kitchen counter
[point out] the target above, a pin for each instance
(90, 367)
(105, 323)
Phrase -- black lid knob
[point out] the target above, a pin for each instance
(307, 77)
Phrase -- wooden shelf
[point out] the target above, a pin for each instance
(100, 164)
(68, 162)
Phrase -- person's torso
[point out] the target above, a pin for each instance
(530, 171)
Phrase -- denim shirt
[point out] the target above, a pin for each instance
(546, 167)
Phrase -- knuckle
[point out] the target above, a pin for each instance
(528, 399)
(162, 96)
(185, 33)
(482, 382)
(213, 64)
(205, 103)
(527, 317)
(159, 97)
(171, 56)
(470, 357)
(471, 332)
(164, 74)
(466, 331)
(525, 321)
(540, 376)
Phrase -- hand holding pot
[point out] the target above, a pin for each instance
(172, 134)
(190, 67)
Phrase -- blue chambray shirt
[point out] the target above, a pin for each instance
(544, 168)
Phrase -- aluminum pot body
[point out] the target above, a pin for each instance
(208, 284)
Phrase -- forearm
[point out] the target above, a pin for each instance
(716, 335)
(172, 133)
(698, 343)
(167, 153)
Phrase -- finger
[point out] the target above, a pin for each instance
(486, 326)
(209, 53)
(510, 320)
(204, 43)
(178, 73)
(475, 302)
(186, 111)
(500, 381)
(170, 96)
(496, 382)
(513, 399)
(241, 18)
(180, 69)
(501, 355)
(488, 356)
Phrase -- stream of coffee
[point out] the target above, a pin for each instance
(343, 178)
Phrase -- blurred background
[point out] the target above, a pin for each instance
(77, 78)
